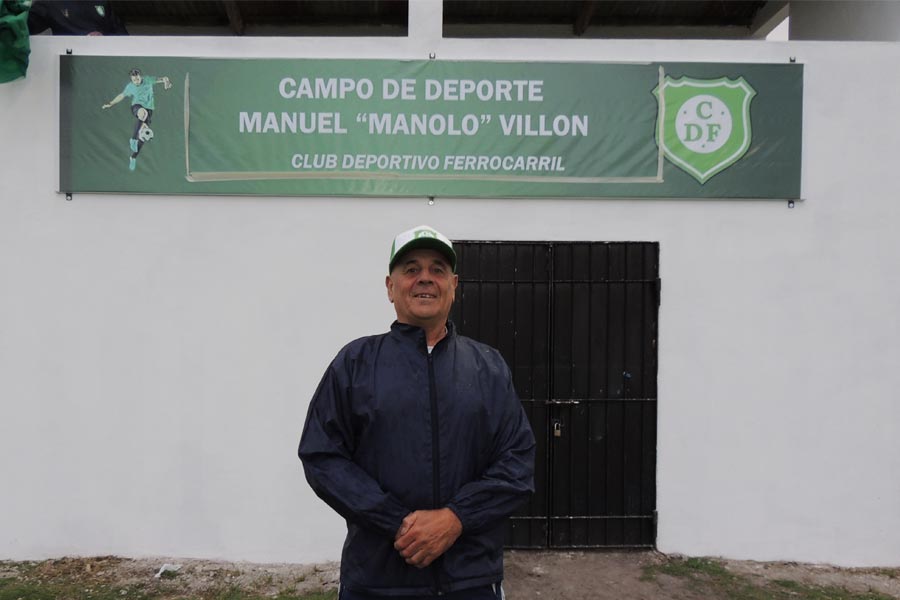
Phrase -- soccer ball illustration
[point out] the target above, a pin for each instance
(145, 134)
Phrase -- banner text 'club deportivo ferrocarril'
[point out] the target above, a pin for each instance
(168, 125)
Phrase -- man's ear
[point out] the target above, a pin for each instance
(389, 284)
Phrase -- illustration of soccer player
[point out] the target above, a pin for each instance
(140, 90)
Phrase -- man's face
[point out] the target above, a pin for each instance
(136, 79)
(422, 287)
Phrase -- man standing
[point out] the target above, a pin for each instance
(418, 439)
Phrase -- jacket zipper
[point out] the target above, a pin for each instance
(435, 459)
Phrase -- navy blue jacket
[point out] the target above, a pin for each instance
(392, 429)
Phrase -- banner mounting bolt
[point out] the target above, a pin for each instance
(68, 196)
(790, 204)
(68, 51)
(431, 55)
(793, 59)
(430, 200)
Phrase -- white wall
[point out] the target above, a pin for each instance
(157, 353)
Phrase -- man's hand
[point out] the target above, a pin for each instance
(426, 534)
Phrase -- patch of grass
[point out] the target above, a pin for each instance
(787, 584)
(647, 575)
(810, 592)
(713, 580)
(317, 596)
(62, 589)
(693, 567)
(11, 590)
(40, 590)
(235, 593)
(889, 573)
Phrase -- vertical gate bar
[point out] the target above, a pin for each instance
(615, 412)
(541, 339)
(562, 333)
(498, 327)
(514, 352)
(628, 386)
(489, 269)
(471, 296)
(462, 304)
(645, 376)
(651, 312)
(534, 407)
(523, 316)
(506, 302)
(496, 343)
(515, 308)
(609, 384)
(562, 534)
(531, 406)
(476, 314)
(599, 257)
(606, 461)
(579, 438)
(631, 449)
(589, 409)
(570, 435)
(550, 383)
(643, 390)
(643, 338)
(624, 391)
(572, 450)
(541, 434)
(462, 299)
(649, 475)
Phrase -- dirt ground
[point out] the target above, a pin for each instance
(621, 576)
(529, 575)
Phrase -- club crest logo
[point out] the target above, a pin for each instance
(425, 233)
(703, 125)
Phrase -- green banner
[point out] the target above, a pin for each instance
(166, 125)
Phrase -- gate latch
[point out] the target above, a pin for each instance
(557, 428)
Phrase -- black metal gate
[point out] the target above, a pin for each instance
(577, 324)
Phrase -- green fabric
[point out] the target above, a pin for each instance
(14, 42)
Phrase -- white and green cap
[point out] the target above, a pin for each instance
(422, 236)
